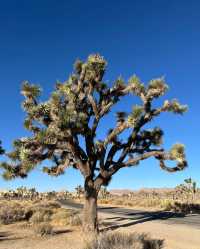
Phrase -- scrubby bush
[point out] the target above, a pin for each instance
(75, 220)
(167, 205)
(12, 212)
(186, 207)
(119, 240)
(63, 216)
(43, 229)
(40, 216)
(48, 204)
(35, 212)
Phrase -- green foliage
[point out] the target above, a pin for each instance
(30, 90)
(94, 68)
(96, 62)
(157, 87)
(154, 136)
(135, 115)
(178, 151)
(175, 107)
(137, 111)
(187, 189)
(78, 66)
(119, 83)
(9, 171)
(8, 175)
(136, 86)
(17, 143)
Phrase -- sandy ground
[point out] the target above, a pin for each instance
(16, 236)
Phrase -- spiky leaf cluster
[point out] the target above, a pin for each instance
(153, 136)
(30, 90)
(119, 83)
(135, 115)
(175, 107)
(177, 153)
(136, 86)
(95, 67)
(156, 88)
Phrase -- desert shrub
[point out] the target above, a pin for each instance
(40, 216)
(48, 204)
(43, 229)
(134, 202)
(10, 213)
(75, 220)
(167, 205)
(128, 203)
(119, 240)
(34, 211)
(117, 201)
(186, 207)
(103, 201)
(63, 216)
(40, 212)
(151, 203)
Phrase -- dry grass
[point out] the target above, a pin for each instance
(11, 212)
(138, 202)
(120, 240)
(65, 217)
(36, 213)
(75, 220)
(40, 216)
(153, 203)
(22, 236)
(43, 229)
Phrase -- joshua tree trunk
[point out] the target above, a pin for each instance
(90, 220)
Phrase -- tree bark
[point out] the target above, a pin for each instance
(90, 220)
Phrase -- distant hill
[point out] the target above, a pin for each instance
(120, 191)
(147, 190)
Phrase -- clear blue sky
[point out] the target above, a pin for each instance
(39, 41)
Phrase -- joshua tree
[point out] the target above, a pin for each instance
(188, 189)
(79, 191)
(20, 192)
(192, 186)
(104, 193)
(64, 130)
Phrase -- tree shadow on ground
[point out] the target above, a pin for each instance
(61, 231)
(139, 217)
(104, 208)
(7, 236)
